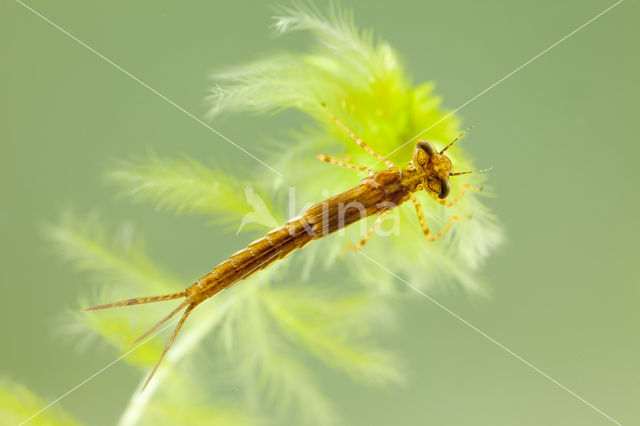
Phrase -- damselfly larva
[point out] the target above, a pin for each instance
(376, 194)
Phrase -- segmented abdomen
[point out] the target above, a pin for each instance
(259, 254)
(316, 222)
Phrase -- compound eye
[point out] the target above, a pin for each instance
(445, 188)
(426, 147)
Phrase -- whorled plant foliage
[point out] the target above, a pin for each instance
(268, 334)
(19, 404)
(366, 87)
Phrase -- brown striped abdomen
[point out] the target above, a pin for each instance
(316, 222)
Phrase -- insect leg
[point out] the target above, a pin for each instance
(425, 228)
(370, 232)
(359, 141)
(332, 160)
(465, 187)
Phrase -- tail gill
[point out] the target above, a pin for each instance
(188, 303)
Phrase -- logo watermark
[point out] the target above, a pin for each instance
(323, 218)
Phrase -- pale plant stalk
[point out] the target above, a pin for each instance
(191, 340)
(365, 84)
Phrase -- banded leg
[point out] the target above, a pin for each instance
(464, 188)
(333, 160)
(364, 239)
(359, 141)
(425, 228)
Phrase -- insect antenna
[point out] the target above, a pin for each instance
(471, 171)
(139, 301)
(456, 139)
(173, 337)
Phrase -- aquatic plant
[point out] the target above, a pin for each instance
(271, 334)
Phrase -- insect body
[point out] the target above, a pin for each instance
(377, 194)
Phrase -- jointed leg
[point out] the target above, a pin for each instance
(359, 141)
(466, 186)
(333, 160)
(370, 232)
(425, 228)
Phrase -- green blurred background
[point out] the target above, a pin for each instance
(561, 133)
